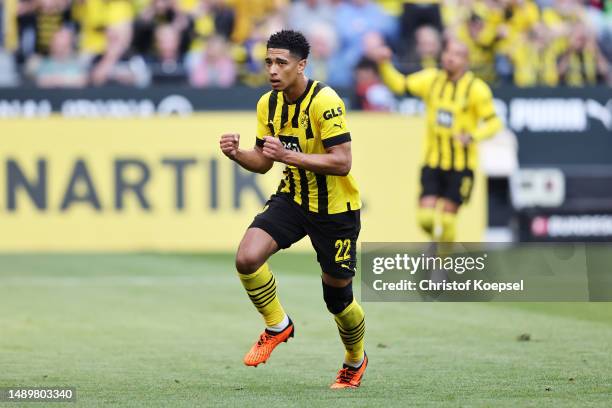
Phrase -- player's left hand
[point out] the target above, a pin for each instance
(464, 138)
(274, 149)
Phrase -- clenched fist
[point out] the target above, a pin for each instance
(274, 149)
(380, 54)
(229, 144)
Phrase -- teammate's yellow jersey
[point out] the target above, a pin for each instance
(452, 108)
(315, 122)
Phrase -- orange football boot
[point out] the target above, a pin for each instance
(268, 340)
(350, 377)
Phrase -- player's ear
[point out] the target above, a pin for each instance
(301, 66)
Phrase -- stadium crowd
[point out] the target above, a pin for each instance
(219, 43)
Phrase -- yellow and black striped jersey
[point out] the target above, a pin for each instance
(314, 122)
(452, 108)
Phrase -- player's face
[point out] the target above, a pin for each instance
(283, 68)
(455, 57)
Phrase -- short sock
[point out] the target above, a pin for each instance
(354, 364)
(277, 328)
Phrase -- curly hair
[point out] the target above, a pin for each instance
(294, 41)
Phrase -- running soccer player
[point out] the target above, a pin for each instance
(301, 123)
(459, 113)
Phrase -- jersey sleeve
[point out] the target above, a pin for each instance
(419, 83)
(329, 115)
(481, 100)
(262, 120)
(393, 79)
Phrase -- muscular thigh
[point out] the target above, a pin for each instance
(283, 220)
(334, 238)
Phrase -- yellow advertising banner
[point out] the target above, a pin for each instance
(163, 184)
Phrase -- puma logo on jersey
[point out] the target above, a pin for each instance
(338, 124)
(332, 113)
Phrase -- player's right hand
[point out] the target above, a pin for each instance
(229, 144)
(380, 54)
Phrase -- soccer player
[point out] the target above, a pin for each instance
(459, 113)
(301, 123)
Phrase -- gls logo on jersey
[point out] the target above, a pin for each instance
(290, 143)
(332, 113)
(445, 118)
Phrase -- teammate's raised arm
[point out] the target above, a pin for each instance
(394, 79)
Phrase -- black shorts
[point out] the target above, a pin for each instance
(333, 236)
(453, 185)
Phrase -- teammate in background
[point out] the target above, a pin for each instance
(459, 113)
(301, 123)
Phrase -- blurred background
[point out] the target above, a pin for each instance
(221, 43)
(111, 111)
(114, 196)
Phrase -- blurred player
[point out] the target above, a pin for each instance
(301, 123)
(460, 113)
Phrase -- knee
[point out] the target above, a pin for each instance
(248, 261)
(337, 299)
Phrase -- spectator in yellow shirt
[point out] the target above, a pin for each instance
(106, 34)
(480, 44)
(251, 13)
(581, 63)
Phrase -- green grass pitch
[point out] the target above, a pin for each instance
(170, 330)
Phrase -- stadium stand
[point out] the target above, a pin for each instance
(219, 43)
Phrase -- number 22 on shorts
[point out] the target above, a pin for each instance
(343, 250)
